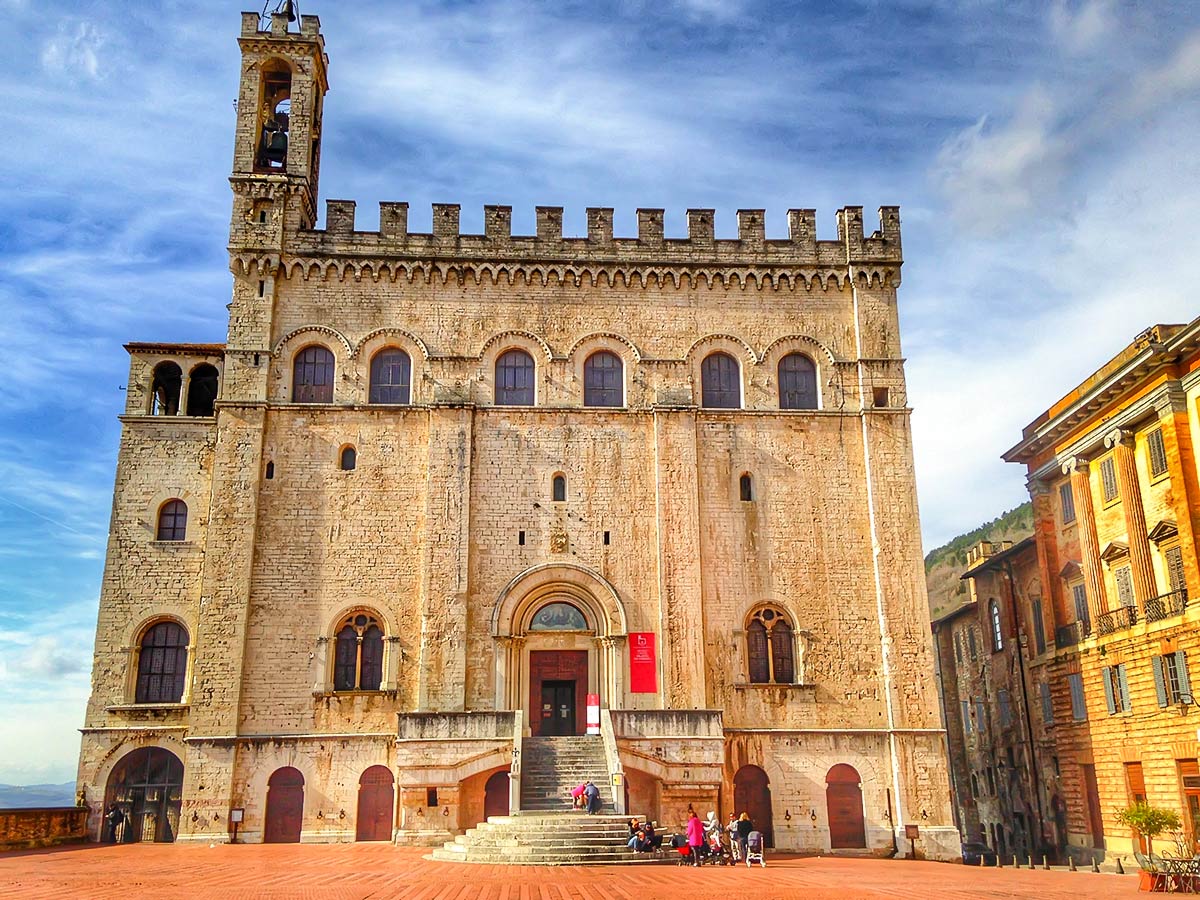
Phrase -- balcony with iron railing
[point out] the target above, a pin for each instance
(1072, 634)
(1166, 605)
(1116, 620)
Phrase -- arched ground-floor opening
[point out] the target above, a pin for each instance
(643, 795)
(285, 807)
(376, 802)
(144, 795)
(844, 805)
(752, 795)
(495, 794)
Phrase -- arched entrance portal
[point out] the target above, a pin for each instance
(375, 804)
(752, 795)
(495, 795)
(147, 786)
(843, 798)
(285, 807)
(559, 632)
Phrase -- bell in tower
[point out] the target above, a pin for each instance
(275, 108)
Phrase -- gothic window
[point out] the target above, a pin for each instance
(312, 376)
(202, 390)
(558, 617)
(797, 382)
(164, 389)
(358, 654)
(172, 521)
(721, 382)
(602, 379)
(162, 664)
(997, 630)
(559, 488)
(514, 379)
(770, 645)
(391, 376)
(349, 459)
(746, 487)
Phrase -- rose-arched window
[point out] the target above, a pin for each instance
(770, 647)
(358, 654)
(721, 382)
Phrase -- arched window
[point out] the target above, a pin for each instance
(721, 382)
(391, 376)
(172, 521)
(312, 376)
(349, 459)
(276, 109)
(770, 646)
(164, 389)
(997, 631)
(602, 379)
(162, 664)
(202, 390)
(559, 488)
(797, 382)
(514, 379)
(746, 487)
(358, 654)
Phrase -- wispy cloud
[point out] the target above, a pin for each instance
(74, 52)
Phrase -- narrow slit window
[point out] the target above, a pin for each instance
(560, 489)
(746, 487)
(607, 540)
(521, 538)
(270, 470)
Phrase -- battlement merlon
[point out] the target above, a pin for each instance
(446, 240)
(310, 27)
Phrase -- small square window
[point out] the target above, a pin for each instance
(880, 396)
(431, 797)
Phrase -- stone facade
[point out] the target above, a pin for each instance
(1113, 477)
(439, 517)
(26, 829)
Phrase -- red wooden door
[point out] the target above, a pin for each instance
(558, 666)
(752, 796)
(375, 804)
(285, 807)
(495, 794)
(844, 803)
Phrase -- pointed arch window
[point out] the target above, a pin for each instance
(203, 384)
(358, 654)
(312, 376)
(514, 379)
(797, 382)
(162, 664)
(391, 376)
(172, 521)
(165, 387)
(997, 629)
(721, 382)
(770, 645)
(602, 379)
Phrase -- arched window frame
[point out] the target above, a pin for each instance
(558, 488)
(790, 395)
(603, 386)
(347, 458)
(198, 377)
(369, 658)
(746, 487)
(170, 525)
(146, 663)
(166, 389)
(774, 662)
(716, 391)
(997, 626)
(504, 370)
(321, 389)
(397, 389)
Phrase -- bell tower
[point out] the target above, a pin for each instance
(277, 149)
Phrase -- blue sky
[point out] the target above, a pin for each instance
(1043, 155)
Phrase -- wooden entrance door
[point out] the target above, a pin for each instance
(1095, 815)
(285, 807)
(844, 803)
(752, 796)
(495, 794)
(558, 679)
(375, 803)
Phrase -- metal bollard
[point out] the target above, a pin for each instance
(1046, 862)
(1095, 865)
(1071, 863)
(1120, 868)
(1016, 861)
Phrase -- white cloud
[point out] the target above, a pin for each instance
(74, 51)
(1085, 27)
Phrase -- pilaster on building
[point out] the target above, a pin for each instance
(442, 499)
(1099, 608)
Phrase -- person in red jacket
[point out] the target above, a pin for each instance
(695, 837)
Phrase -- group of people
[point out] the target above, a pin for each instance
(586, 796)
(704, 837)
(642, 836)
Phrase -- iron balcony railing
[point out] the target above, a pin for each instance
(1166, 605)
(1117, 619)
(1070, 635)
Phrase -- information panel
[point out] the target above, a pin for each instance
(643, 663)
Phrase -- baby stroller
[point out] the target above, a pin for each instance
(680, 845)
(719, 852)
(755, 849)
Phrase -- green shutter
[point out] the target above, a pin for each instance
(1160, 684)
(1185, 686)
(1109, 700)
(1123, 684)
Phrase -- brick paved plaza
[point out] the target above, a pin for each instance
(351, 871)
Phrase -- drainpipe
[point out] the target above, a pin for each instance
(1033, 760)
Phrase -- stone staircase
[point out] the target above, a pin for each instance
(546, 839)
(552, 766)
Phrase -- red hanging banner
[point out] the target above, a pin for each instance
(643, 664)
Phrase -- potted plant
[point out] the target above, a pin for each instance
(1148, 821)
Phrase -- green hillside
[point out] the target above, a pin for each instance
(944, 565)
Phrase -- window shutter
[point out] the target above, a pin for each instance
(1039, 627)
(1174, 560)
(1124, 580)
(1123, 685)
(1108, 690)
(966, 716)
(1108, 479)
(1067, 501)
(346, 659)
(372, 660)
(756, 644)
(1160, 684)
(1158, 453)
(781, 652)
(1185, 686)
(1078, 705)
(980, 717)
(1047, 704)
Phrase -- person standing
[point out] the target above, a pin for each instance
(695, 837)
(731, 828)
(744, 827)
(113, 817)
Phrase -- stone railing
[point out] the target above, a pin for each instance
(514, 770)
(616, 775)
(656, 723)
(1166, 605)
(42, 827)
(1116, 619)
(457, 726)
